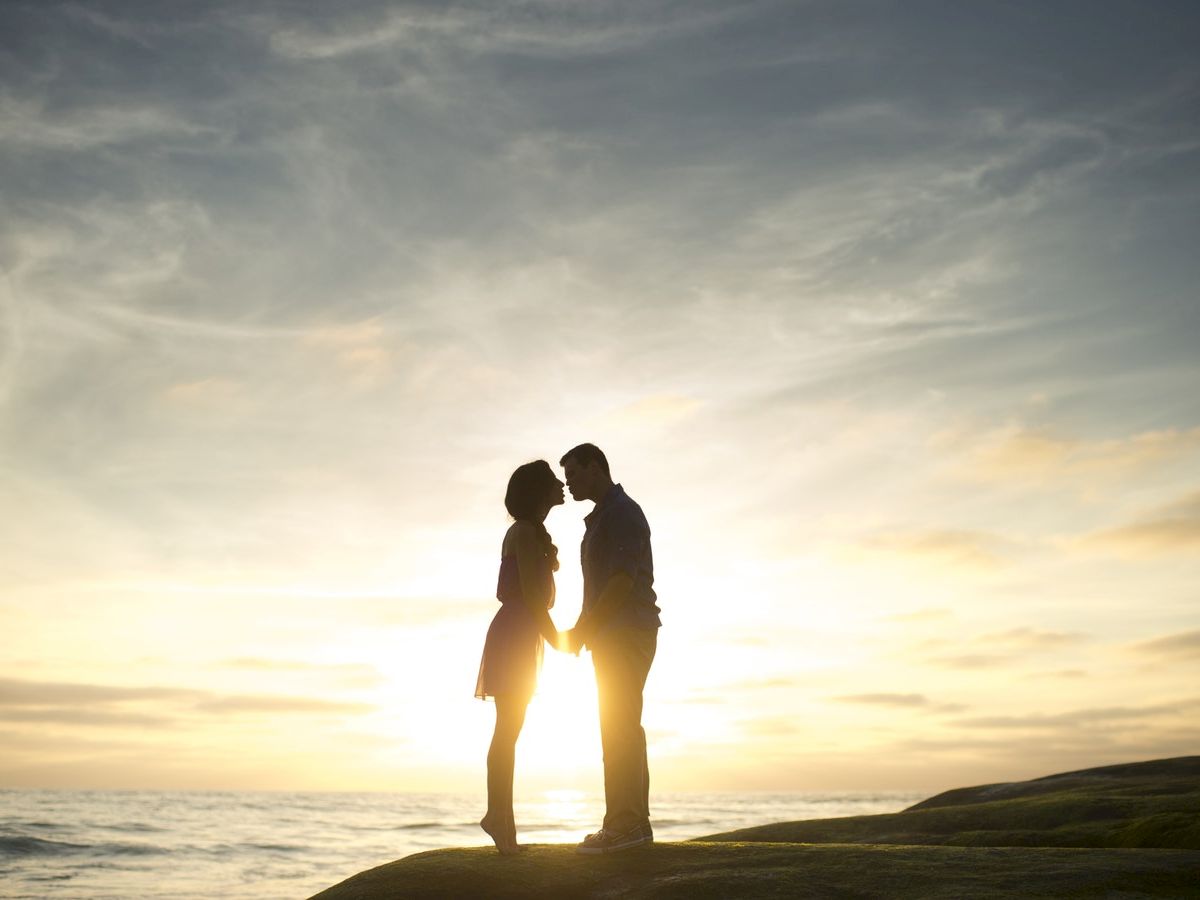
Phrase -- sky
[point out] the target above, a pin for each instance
(885, 312)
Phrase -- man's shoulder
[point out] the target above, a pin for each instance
(624, 511)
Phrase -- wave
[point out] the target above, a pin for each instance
(138, 828)
(42, 826)
(426, 826)
(25, 845)
(276, 848)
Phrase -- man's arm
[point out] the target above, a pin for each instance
(614, 596)
(626, 544)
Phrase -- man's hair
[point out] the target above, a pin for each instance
(585, 455)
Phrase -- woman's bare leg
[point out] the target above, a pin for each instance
(501, 759)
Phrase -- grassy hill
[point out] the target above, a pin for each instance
(1114, 832)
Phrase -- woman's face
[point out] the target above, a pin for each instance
(554, 492)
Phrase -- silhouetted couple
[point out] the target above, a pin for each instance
(618, 624)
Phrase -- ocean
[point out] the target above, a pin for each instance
(127, 845)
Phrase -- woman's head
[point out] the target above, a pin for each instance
(532, 489)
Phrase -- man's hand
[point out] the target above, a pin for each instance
(571, 641)
(568, 642)
(582, 632)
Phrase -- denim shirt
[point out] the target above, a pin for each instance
(617, 539)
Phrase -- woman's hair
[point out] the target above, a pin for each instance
(527, 489)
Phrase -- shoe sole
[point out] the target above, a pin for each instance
(612, 848)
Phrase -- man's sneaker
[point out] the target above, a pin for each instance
(608, 841)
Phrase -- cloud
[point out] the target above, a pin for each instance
(932, 614)
(29, 126)
(958, 549)
(973, 660)
(277, 704)
(1089, 718)
(654, 410)
(346, 674)
(17, 692)
(1172, 529)
(85, 717)
(102, 705)
(703, 699)
(1031, 639)
(292, 665)
(1021, 452)
(1058, 673)
(759, 684)
(365, 350)
(904, 700)
(898, 701)
(207, 394)
(1182, 646)
(535, 29)
(771, 726)
(994, 650)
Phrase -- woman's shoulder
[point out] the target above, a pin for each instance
(518, 533)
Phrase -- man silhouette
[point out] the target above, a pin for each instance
(619, 625)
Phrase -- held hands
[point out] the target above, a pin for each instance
(569, 641)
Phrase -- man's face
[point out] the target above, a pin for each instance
(581, 480)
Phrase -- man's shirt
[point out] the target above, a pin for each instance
(617, 539)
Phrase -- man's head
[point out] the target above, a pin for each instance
(585, 469)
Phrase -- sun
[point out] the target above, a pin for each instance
(560, 743)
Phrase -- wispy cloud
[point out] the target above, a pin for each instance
(972, 660)
(994, 650)
(105, 705)
(967, 550)
(30, 126)
(538, 29)
(884, 699)
(1096, 717)
(1171, 529)
(1069, 674)
(17, 692)
(343, 674)
(1019, 451)
(1031, 639)
(1184, 645)
(932, 614)
(898, 701)
(85, 717)
(272, 705)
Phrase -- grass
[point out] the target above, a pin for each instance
(1117, 832)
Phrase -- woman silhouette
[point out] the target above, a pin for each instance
(512, 653)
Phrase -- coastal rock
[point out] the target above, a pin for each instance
(1117, 831)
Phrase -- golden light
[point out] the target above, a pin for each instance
(561, 739)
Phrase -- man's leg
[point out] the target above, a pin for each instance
(622, 661)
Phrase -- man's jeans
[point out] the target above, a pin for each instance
(622, 658)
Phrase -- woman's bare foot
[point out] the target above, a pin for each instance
(506, 844)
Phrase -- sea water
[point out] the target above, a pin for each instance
(89, 845)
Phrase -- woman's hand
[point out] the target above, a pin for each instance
(568, 642)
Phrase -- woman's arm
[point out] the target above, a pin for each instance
(531, 565)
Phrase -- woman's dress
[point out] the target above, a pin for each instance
(512, 652)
